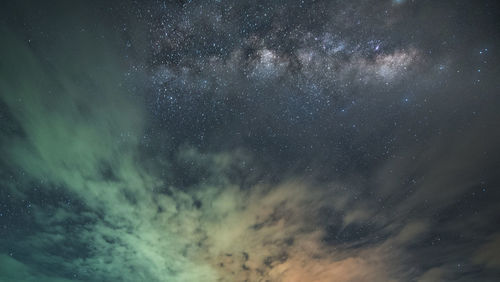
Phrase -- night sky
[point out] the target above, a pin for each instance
(294, 141)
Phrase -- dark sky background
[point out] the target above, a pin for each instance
(250, 140)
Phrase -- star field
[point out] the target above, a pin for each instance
(249, 141)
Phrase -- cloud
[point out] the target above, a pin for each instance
(487, 253)
(434, 274)
(13, 270)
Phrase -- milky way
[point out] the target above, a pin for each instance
(249, 141)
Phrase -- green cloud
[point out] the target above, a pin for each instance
(80, 131)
